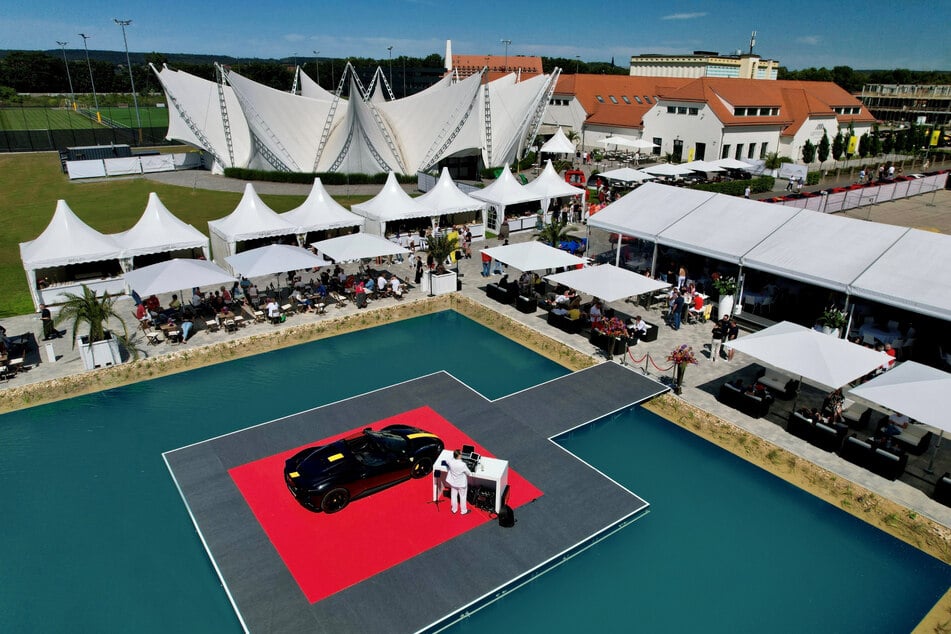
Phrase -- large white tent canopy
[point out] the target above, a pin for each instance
(533, 256)
(503, 192)
(320, 212)
(391, 204)
(822, 360)
(274, 258)
(607, 282)
(667, 169)
(874, 261)
(357, 246)
(624, 141)
(549, 185)
(159, 231)
(250, 220)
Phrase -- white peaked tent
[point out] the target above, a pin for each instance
(533, 256)
(159, 231)
(357, 246)
(549, 185)
(558, 144)
(446, 198)
(320, 212)
(503, 192)
(67, 240)
(607, 282)
(175, 276)
(822, 360)
(251, 219)
(667, 169)
(392, 203)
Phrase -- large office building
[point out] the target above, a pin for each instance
(909, 103)
(704, 64)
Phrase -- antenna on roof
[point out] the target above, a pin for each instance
(752, 42)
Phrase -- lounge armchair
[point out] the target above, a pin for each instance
(562, 322)
(502, 294)
(942, 490)
(746, 402)
(915, 439)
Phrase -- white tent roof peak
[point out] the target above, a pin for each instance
(320, 211)
(159, 230)
(558, 144)
(505, 191)
(549, 184)
(67, 240)
(446, 198)
(392, 203)
(252, 218)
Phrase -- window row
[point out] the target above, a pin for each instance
(750, 151)
(626, 99)
(756, 112)
(847, 110)
(690, 110)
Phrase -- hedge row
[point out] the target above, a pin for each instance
(738, 188)
(327, 178)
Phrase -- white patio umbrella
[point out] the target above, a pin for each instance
(623, 141)
(533, 256)
(625, 175)
(357, 246)
(176, 275)
(915, 390)
(607, 282)
(274, 258)
(667, 169)
(703, 166)
(822, 360)
(732, 164)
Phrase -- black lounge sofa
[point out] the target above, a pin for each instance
(749, 404)
(942, 490)
(502, 294)
(525, 304)
(888, 464)
(562, 322)
(826, 436)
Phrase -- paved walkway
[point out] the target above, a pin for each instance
(702, 381)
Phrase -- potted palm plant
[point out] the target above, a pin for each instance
(98, 347)
(442, 280)
(831, 321)
(554, 233)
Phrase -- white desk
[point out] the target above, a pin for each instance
(489, 472)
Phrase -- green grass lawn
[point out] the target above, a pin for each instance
(63, 119)
(30, 185)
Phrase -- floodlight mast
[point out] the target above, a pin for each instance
(506, 42)
(317, 63)
(92, 83)
(135, 101)
(72, 95)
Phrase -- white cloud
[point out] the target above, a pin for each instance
(685, 16)
(294, 37)
(811, 40)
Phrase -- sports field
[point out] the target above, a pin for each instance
(30, 185)
(67, 119)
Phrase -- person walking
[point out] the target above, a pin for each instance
(486, 264)
(716, 343)
(49, 330)
(746, 192)
(457, 477)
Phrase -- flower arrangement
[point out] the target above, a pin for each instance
(832, 317)
(614, 327)
(682, 356)
(724, 285)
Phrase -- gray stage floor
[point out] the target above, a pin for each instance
(579, 506)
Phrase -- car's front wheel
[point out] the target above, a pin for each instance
(421, 468)
(335, 500)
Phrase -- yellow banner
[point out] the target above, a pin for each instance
(853, 143)
(690, 154)
(935, 135)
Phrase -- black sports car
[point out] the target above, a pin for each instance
(326, 477)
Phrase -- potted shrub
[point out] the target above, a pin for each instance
(441, 280)
(831, 321)
(553, 234)
(98, 347)
(726, 289)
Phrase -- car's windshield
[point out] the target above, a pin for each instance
(387, 442)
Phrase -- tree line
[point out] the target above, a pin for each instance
(853, 80)
(911, 140)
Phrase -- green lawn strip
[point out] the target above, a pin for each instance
(30, 185)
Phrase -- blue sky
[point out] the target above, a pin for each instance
(870, 34)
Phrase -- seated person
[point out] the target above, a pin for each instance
(197, 299)
(574, 309)
(696, 309)
(303, 301)
(637, 328)
(153, 304)
(595, 313)
(381, 288)
(396, 286)
(832, 406)
(525, 284)
(369, 286)
(895, 424)
(360, 295)
(273, 310)
(187, 326)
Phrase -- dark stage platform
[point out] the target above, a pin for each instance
(287, 569)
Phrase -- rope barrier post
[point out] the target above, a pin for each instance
(647, 360)
(624, 353)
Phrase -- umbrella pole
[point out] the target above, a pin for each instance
(930, 468)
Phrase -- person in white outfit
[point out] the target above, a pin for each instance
(457, 477)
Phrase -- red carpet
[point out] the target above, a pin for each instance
(327, 553)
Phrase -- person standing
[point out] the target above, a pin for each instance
(486, 264)
(457, 477)
(49, 331)
(746, 192)
(732, 332)
(717, 341)
(419, 270)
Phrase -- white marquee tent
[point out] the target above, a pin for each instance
(446, 197)
(320, 212)
(159, 231)
(501, 193)
(391, 204)
(549, 185)
(250, 220)
(558, 144)
(66, 241)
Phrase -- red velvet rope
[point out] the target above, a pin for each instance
(651, 359)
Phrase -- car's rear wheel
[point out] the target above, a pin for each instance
(421, 468)
(335, 500)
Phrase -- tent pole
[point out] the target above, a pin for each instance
(930, 468)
